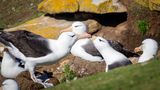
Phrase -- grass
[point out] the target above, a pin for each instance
(143, 26)
(15, 12)
(134, 77)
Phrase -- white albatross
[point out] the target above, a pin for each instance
(11, 66)
(84, 47)
(10, 84)
(149, 48)
(58, 49)
(112, 57)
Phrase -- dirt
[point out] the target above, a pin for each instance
(135, 13)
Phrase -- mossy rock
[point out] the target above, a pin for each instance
(151, 4)
(93, 6)
(58, 6)
(50, 27)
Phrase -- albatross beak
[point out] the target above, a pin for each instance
(138, 49)
(93, 38)
(69, 29)
(84, 35)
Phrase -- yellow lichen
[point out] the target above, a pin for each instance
(58, 6)
(40, 27)
(151, 4)
(144, 3)
(154, 5)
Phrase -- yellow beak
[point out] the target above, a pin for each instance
(93, 38)
(84, 35)
(69, 29)
(138, 49)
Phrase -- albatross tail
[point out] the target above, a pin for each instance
(6, 43)
(4, 38)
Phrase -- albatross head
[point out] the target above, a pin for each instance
(78, 28)
(149, 48)
(67, 38)
(9, 84)
(100, 43)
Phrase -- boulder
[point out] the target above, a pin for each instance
(50, 27)
(117, 33)
(154, 5)
(70, 6)
(139, 13)
(79, 66)
(151, 4)
(85, 68)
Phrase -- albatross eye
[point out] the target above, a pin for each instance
(71, 35)
(101, 40)
(77, 25)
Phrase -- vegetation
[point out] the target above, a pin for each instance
(134, 77)
(68, 74)
(143, 26)
(15, 12)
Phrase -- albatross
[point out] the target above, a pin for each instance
(10, 84)
(149, 48)
(11, 66)
(48, 51)
(84, 47)
(112, 57)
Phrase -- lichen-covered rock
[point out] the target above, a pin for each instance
(58, 6)
(152, 4)
(137, 13)
(94, 6)
(50, 27)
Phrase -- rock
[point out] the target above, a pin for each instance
(151, 4)
(154, 5)
(1, 79)
(117, 33)
(85, 68)
(136, 13)
(134, 60)
(58, 6)
(50, 27)
(79, 66)
(26, 83)
(93, 6)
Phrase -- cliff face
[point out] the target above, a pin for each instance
(138, 16)
(93, 6)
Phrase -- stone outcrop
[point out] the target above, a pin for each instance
(70, 6)
(138, 12)
(151, 4)
(49, 27)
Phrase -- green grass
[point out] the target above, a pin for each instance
(143, 26)
(133, 77)
(15, 12)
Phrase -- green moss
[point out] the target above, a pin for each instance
(143, 26)
(134, 77)
(68, 74)
(15, 12)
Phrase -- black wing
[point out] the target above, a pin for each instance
(28, 43)
(119, 47)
